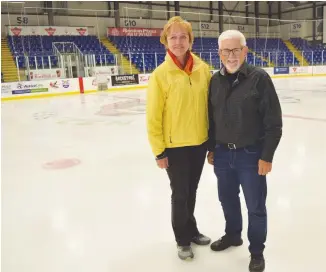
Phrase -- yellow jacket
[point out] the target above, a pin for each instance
(177, 106)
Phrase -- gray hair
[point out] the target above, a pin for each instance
(232, 34)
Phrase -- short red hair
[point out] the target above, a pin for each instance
(183, 23)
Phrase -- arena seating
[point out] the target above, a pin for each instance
(314, 54)
(147, 52)
(261, 50)
(40, 47)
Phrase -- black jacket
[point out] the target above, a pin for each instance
(245, 112)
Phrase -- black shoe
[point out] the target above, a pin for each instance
(201, 240)
(257, 263)
(225, 242)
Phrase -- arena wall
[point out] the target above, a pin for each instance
(74, 86)
(96, 14)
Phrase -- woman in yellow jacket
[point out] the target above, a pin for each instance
(177, 125)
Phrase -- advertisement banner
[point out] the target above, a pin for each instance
(102, 74)
(6, 89)
(136, 31)
(144, 78)
(90, 84)
(318, 70)
(27, 87)
(299, 70)
(46, 86)
(47, 31)
(45, 74)
(101, 71)
(63, 85)
(125, 80)
(281, 70)
(269, 70)
(26, 91)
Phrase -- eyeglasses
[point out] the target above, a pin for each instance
(226, 52)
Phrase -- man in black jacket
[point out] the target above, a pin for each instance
(245, 130)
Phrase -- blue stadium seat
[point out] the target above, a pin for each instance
(42, 47)
(314, 54)
(147, 52)
(262, 51)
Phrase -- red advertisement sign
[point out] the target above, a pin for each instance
(144, 32)
(16, 31)
(81, 31)
(47, 31)
(50, 31)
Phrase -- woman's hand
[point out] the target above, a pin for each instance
(163, 163)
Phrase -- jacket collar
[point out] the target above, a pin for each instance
(242, 70)
(172, 66)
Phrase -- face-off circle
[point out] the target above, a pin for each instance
(61, 164)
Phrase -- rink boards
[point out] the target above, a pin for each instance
(73, 86)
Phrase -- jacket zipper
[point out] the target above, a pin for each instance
(190, 85)
(193, 99)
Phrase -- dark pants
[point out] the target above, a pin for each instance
(240, 167)
(185, 168)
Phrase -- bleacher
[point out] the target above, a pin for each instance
(39, 49)
(261, 51)
(273, 49)
(314, 54)
(147, 52)
(134, 47)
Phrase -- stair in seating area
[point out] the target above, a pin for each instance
(269, 63)
(297, 54)
(8, 66)
(128, 68)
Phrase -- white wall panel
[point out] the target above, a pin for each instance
(97, 25)
(88, 6)
(22, 8)
(29, 20)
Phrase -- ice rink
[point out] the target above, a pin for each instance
(81, 191)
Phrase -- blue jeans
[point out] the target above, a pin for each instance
(240, 167)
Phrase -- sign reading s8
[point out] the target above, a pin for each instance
(22, 20)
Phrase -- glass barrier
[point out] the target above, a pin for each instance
(74, 63)
(147, 62)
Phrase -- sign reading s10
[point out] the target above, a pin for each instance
(129, 23)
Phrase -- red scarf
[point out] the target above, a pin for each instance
(189, 63)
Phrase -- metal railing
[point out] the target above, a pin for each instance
(147, 62)
(71, 58)
(37, 62)
(92, 60)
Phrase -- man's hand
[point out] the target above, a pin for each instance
(264, 167)
(210, 157)
(163, 163)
